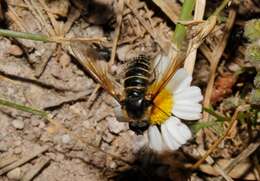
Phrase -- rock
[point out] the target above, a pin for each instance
(95, 31)
(116, 127)
(65, 60)
(112, 165)
(122, 52)
(66, 139)
(15, 174)
(15, 50)
(18, 150)
(108, 137)
(3, 147)
(42, 125)
(18, 124)
(234, 67)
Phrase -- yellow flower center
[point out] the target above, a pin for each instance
(162, 107)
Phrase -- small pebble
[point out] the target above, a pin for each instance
(18, 124)
(65, 60)
(122, 52)
(234, 67)
(3, 147)
(66, 139)
(42, 125)
(95, 31)
(108, 137)
(17, 142)
(112, 165)
(35, 123)
(116, 127)
(15, 174)
(15, 50)
(60, 157)
(18, 150)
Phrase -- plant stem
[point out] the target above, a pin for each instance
(23, 108)
(220, 8)
(29, 36)
(186, 14)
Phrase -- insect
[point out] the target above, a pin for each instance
(142, 85)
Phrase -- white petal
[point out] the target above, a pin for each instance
(186, 106)
(182, 132)
(180, 81)
(168, 138)
(192, 94)
(183, 114)
(155, 139)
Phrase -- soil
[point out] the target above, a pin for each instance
(91, 145)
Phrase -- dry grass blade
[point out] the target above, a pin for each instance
(117, 31)
(192, 49)
(215, 58)
(7, 160)
(164, 45)
(242, 156)
(216, 166)
(30, 174)
(17, 20)
(24, 159)
(214, 146)
(169, 8)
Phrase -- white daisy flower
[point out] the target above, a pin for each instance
(180, 100)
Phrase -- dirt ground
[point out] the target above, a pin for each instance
(85, 142)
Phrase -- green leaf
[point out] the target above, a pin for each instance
(219, 117)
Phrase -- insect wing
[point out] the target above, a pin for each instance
(164, 69)
(88, 58)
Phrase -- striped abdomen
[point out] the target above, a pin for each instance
(136, 81)
(137, 76)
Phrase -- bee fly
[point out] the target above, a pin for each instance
(137, 95)
(136, 81)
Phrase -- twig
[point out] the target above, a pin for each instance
(92, 96)
(30, 174)
(7, 160)
(216, 166)
(17, 20)
(72, 17)
(164, 45)
(39, 19)
(242, 156)
(214, 146)
(221, 7)
(117, 31)
(24, 159)
(169, 8)
(52, 20)
(257, 166)
(216, 56)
